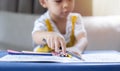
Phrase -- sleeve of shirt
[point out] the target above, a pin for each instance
(79, 26)
(39, 26)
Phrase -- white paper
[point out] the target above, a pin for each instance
(101, 57)
(34, 58)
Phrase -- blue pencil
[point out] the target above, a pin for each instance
(29, 53)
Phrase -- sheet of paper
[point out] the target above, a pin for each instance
(37, 58)
(104, 57)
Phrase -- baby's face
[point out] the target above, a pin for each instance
(60, 8)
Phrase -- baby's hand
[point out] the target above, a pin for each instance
(60, 54)
(55, 41)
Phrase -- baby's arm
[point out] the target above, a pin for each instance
(82, 42)
(53, 40)
(80, 45)
(80, 35)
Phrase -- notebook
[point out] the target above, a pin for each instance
(28, 56)
(37, 58)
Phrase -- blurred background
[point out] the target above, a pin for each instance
(22, 6)
(85, 7)
(98, 7)
(100, 17)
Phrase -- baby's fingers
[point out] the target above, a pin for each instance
(50, 43)
(63, 46)
(57, 46)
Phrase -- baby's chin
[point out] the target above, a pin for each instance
(64, 15)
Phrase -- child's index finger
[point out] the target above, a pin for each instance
(63, 47)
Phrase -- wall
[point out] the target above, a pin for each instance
(84, 7)
(106, 7)
(97, 7)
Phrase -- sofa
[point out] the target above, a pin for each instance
(15, 31)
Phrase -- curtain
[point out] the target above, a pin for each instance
(22, 6)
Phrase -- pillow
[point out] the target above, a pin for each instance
(103, 32)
